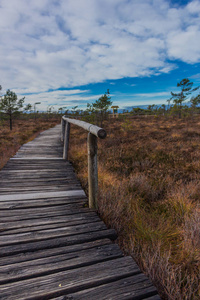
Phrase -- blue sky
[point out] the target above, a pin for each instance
(64, 53)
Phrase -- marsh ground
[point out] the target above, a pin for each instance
(149, 191)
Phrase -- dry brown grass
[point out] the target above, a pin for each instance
(149, 191)
(23, 131)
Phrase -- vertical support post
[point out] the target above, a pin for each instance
(92, 170)
(66, 140)
(62, 129)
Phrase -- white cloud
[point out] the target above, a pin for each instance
(48, 44)
(196, 76)
(59, 98)
(133, 99)
(194, 7)
(130, 84)
(184, 45)
(152, 95)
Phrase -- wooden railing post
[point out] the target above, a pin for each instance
(66, 140)
(95, 132)
(62, 129)
(92, 170)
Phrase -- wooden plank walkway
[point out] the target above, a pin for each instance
(52, 246)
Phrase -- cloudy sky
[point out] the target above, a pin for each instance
(64, 53)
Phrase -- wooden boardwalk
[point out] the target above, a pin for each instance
(52, 246)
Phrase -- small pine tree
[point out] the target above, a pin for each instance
(186, 89)
(9, 105)
(101, 106)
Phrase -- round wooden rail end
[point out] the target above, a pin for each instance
(102, 133)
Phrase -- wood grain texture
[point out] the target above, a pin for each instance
(51, 244)
(133, 287)
(56, 242)
(71, 280)
(45, 252)
(58, 263)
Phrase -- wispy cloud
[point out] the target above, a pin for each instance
(61, 98)
(152, 95)
(48, 44)
(196, 76)
(130, 84)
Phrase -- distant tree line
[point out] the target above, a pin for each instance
(11, 107)
(98, 111)
(176, 104)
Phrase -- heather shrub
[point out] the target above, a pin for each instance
(149, 192)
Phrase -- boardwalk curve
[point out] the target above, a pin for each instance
(52, 246)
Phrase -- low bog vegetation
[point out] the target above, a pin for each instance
(149, 191)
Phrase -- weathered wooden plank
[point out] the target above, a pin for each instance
(36, 176)
(42, 170)
(58, 168)
(29, 152)
(57, 242)
(28, 256)
(41, 175)
(38, 182)
(39, 163)
(35, 158)
(47, 154)
(4, 232)
(40, 143)
(39, 235)
(31, 213)
(39, 167)
(36, 162)
(58, 263)
(86, 217)
(67, 187)
(70, 281)
(40, 202)
(68, 210)
(71, 193)
(57, 160)
(43, 166)
(59, 224)
(53, 173)
(50, 149)
(47, 157)
(24, 226)
(134, 288)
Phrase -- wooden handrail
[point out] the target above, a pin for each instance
(94, 133)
